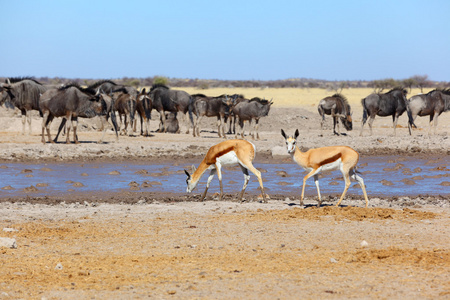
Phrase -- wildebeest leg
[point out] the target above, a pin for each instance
(75, 126)
(436, 123)
(229, 124)
(120, 124)
(371, 119)
(322, 122)
(28, 114)
(256, 128)
(105, 126)
(47, 127)
(335, 122)
(197, 126)
(252, 129)
(24, 120)
(69, 127)
(431, 122)
(395, 120)
(188, 122)
(241, 125)
(219, 127)
(45, 116)
(61, 127)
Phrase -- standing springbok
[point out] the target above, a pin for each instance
(229, 152)
(325, 159)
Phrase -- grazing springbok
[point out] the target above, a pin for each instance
(229, 152)
(325, 159)
(337, 106)
(392, 103)
(433, 104)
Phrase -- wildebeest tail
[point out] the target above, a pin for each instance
(148, 108)
(364, 117)
(190, 109)
(132, 108)
(410, 117)
(113, 116)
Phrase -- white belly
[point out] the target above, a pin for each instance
(229, 158)
(335, 165)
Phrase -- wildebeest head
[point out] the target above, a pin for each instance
(346, 119)
(229, 103)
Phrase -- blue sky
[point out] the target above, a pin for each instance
(233, 40)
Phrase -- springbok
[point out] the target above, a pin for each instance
(325, 159)
(229, 152)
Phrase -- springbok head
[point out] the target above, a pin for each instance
(191, 185)
(291, 141)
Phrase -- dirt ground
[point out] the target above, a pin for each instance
(139, 245)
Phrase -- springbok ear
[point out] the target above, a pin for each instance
(283, 134)
(187, 174)
(296, 134)
(193, 169)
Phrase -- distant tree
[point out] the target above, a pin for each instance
(381, 85)
(422, 81)
(161, 80)
(134, 82)
(409, 83)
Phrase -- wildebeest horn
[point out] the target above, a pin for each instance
(7, 81)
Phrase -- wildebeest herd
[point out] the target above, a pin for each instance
(393, 103)
(107, 99)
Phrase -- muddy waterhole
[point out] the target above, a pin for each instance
(383, 176)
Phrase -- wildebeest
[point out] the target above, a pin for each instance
(125, 105)
(24, 94)
(219, 107)
(337, 106)
(144, 109)
(432, 104)
(392, 103)
(251, 110)
(172, 123)
(69, 102)
(106, 104)
(165, 99)
(232, 117)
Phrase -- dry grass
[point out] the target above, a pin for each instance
(292, 97)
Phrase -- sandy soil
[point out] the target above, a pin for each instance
(162, 246)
